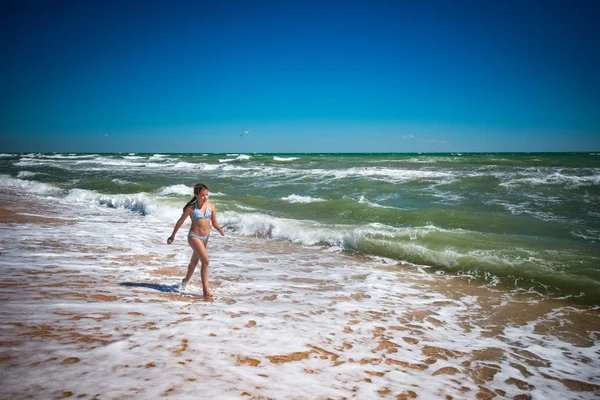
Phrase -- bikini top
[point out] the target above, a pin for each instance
(197, 214)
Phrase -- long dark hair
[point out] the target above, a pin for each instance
(198, 187)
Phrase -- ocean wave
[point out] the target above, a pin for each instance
(589, 234)
(392, 175)
(396, 175)
(362, 199)
(530, 208)
(122, 182)
(294, 198)
(68, 156)
(179, 190)
(433, 160)
(27, 174)
(112, 162)
(307, 233)
(241, 157)
(138, 202)
(97, 162)
(285, 158)
(32, 162)
(28, 186)
(454, 250)
(568, 180)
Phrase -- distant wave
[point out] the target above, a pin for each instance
(122, 182)
(294, 198)
(241, 157)
(25, 174)
(555, 178)
(285, 158)
(180, 190)
(65, 156)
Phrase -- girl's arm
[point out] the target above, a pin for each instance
(186, 213)
(213, 220)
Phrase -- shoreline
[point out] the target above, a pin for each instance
(102, 320)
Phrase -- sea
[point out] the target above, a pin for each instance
(430, 276)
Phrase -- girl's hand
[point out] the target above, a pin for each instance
(170, 239)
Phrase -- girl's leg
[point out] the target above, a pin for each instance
(200, 253)
(191, 268)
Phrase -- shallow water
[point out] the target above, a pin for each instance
(526, 220)
(92, 309)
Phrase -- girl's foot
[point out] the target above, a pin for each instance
(184, 283)
(208, 295)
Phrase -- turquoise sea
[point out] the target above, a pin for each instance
(522, 221)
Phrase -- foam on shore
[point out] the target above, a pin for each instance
(92, 309)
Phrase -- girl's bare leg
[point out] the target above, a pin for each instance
(201, 255)
(191, 268)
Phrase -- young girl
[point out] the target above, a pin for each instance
(201, 213)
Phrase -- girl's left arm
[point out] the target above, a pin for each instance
(213, 219)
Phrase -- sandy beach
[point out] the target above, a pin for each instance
(106, 319)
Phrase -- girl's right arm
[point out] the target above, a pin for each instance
(186, 213)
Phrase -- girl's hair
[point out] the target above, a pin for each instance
(198, 187)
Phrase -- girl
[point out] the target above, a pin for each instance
(202, 214)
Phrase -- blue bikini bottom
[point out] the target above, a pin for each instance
(203, 239)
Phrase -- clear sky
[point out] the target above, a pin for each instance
(309, 76)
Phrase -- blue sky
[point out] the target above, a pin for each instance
(310, 76)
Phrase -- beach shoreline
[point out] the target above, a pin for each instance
(108, 320)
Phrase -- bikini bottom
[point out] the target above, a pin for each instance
(203, 239)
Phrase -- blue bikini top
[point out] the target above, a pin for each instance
(197, 214)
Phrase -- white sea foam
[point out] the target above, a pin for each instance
(331, 175)
(98, 162)
(66, 156)
(307, 233)
(347, 237)
(26, 174)
(564, 177)
(27, 186)
(134, 202)
(114, 162)
(589, 234)
(433, 160)
(287, 322)
(526, 208)
(285, 158)
(122, 182)
(241, 157)
(32, 162)
(187, 165)
(294, 198)
(180, 190)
